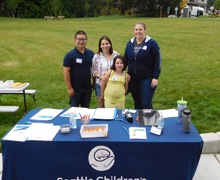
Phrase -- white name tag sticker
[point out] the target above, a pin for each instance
(79, 60)
(115, 78)
(144, 47)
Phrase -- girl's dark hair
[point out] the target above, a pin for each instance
(107, 39)
(114, 60)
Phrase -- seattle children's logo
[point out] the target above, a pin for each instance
(101, 158)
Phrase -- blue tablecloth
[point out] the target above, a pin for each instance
(172, 156)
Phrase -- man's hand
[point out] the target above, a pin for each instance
(71, 92)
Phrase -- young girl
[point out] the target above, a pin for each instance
(115, 85)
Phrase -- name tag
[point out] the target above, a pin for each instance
(115, 78)
(144, 47)
(79, 60)
(156, 130)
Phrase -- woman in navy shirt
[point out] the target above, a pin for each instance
(143, 58)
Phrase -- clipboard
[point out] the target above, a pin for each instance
(148, 117)
(105, 114)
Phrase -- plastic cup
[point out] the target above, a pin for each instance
(85, 121)
(181, 104)
(65, 128)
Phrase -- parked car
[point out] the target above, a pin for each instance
(197, 11)
(194, 11)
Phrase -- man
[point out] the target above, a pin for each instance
(77, 65)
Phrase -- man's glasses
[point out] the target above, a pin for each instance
(83, 40)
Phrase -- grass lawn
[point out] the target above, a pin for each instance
(32, 50)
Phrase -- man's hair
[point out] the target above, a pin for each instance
(107, 39)
(114, 60)
(141, 23)
(80, 32)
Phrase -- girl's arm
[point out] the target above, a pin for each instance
(126, 84)
(104, 82)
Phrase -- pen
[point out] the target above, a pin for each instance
(21, 128)
(126, 130)
(117, 115)
(80, 115)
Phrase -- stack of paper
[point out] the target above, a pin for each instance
(35, 131)
(169, 113)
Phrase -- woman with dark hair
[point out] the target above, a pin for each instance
(115, 85)
(101, 63)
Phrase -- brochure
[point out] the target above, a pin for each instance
(137, 133)
(46, 114)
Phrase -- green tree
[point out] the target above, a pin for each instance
(217, 4)
(147, 8)
(87, 9)
(210, 2)
(45, 8)
(92, 7)
(12, 5)
(55, 5)
(3, 8)
(127, 4)
(31, 8)
(74, 8)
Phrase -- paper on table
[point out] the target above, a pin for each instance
(137, 133)
(18, 85)
(17, 135)
(77, 111)
(169, 113)
(46, 114)
(105, 113)
(48, 136)
(38, 130)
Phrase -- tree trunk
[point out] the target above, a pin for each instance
(12, 14)
(8, 14)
